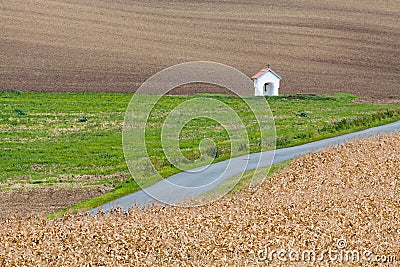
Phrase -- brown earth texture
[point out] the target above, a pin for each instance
(342, 204)
(41, 201)
(114, 46)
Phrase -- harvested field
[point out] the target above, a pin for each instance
(94, 45)
(346, 197)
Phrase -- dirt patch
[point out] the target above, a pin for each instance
(317, 47)
(42, 201)
(344, 200)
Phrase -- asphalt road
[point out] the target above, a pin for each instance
(184, 185)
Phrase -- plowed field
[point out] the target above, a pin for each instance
(113, 46)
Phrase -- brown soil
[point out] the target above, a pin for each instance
(42, 201)
(113, 46)
(341, 199)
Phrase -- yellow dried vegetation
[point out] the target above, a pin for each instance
(344, 199)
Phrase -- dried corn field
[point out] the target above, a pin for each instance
(346, 197)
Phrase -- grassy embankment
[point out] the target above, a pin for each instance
(74, 139)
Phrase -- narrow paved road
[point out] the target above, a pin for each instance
(189, 184)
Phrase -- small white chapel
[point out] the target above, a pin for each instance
(266, 82)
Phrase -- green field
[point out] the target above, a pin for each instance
(74, 140)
